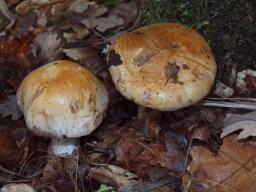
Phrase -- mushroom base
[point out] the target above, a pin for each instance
(63, 147)
(148, 113)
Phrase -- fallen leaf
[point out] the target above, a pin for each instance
(151, 129)
(96, 10)
(127, 11)
(48, 45)
(10, 108)
(4, 21)
(235, 122)
(74, 32)
(156, 186)
(202, 133)
(87, 57)
(129, 148)
(24, 24)
(79, 6)
(233, 168)
(9, 152)
(4, 9)
(25, 6)
(167, 156)
(113, 175)
(102, 24)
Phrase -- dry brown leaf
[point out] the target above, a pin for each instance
(25, 6)
(102, 24)
(10, 108)
(12, 145)
(151, 129)
(232, 169)
(24, 24)
(3, 22)
(156, 186)
(48, 45)
(113, 175)
(73, 32)
(235, 122)
(167, 156)
(86, 56)
(79, 6)
(202, 133)
(127, 11)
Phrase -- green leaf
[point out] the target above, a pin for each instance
(105, 188)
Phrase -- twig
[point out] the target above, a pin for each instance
(10, 172)
(139, 15)
(14, 181)
(189, 147)
(229, 104)
(232, 99)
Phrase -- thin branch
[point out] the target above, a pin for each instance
(229, 104)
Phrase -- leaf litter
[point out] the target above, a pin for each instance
(130, 154)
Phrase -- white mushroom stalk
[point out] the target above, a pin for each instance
(63, 101)
(63, 147)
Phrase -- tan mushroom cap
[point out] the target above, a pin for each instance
(162, 66)
(62, 99)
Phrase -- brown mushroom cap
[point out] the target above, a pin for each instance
(162, 66)
(62, 99)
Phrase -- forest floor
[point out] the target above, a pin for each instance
(199, 148)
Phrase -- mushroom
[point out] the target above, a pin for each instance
(63, 101)
(162, 66)
(17, 187)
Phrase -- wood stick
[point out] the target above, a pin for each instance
(240, 104)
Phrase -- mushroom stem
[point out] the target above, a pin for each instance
(64, 146)
(148, 113)
(141, 112)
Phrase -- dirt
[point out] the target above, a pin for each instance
(154, 149)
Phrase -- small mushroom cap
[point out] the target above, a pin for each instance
(162, 66)
(17, 187)
(62, 99)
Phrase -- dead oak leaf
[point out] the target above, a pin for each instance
(113, 175)
(48, 44)
(168, 156)
(232, 169)
(102, 24)
(74, 32)
(79, 6)
(128, 11)
(10, 108)
(235, 122)
(25, 6)
(86, 56)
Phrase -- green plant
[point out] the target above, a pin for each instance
(191, 13)
(105, 188)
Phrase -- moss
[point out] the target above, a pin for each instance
(191, 13)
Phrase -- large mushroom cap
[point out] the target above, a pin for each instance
(162, 66)
(62, 99)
